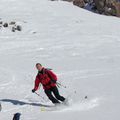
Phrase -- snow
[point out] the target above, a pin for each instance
(81, 47)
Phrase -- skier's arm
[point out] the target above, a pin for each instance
(36, 83)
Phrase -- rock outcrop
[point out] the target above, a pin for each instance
(79, 3)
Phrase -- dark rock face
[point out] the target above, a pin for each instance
(79, 3)
(68, 0)
(108, 7)
(100, 4)
(115, 6)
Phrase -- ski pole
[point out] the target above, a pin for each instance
(59, 84)
(37, 94)
(40, 96)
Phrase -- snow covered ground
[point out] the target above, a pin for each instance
(81, 47)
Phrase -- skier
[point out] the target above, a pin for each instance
(48, 80)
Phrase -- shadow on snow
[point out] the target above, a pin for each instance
(18, 102)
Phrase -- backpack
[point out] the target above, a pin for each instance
(51, 79)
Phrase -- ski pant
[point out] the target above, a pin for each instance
(55, 91)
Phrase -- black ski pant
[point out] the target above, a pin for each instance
(55, 91)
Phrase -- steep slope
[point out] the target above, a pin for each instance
(81, 47)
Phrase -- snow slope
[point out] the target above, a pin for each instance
(81, 47)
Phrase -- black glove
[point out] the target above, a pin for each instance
(33, 90)
(53, 81)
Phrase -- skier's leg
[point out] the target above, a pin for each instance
(50, 96)
(57, 95)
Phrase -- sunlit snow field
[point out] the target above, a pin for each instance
(81, 47)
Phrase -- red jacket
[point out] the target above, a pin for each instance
(44, 77)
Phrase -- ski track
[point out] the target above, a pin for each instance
(84, 105)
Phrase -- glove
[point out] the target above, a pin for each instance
(53, 81)
(33, 90)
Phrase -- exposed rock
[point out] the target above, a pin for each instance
(116, 6)
(100, 4)
(19, 28)
(12, 23)
(5, 25)
(1, 22)
(13, 29)
(88, 1)
(79, 3)
(68, 0)
(108, 7)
